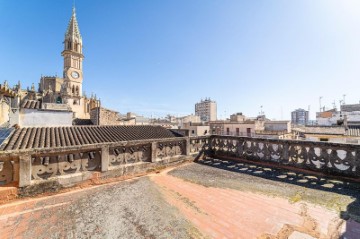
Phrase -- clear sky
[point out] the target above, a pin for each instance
(159, 56)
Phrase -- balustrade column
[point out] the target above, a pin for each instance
(16, 168)
(153, 151)
(187, 146)
(105, 158)
(25, 170)
(285, 156)
(211, 146)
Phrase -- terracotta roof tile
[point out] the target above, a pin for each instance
(31, 104)
(52, 137)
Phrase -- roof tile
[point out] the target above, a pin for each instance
(53, 137)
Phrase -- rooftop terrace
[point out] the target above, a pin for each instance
(240, 187)
(211, 199)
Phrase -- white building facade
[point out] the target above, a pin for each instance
(206, 110)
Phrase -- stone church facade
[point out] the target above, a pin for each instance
(61, 98)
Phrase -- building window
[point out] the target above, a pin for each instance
(58, 100)
(192, 131)
(248, 131)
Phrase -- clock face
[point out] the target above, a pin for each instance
(75, 75)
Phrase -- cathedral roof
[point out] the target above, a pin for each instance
(73, 30)
(6, 91)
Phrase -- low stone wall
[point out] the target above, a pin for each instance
(333, 159)
(332, 130)
(37, 171)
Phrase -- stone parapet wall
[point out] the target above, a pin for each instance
(35, 170)
(332, 159)
(38, 170)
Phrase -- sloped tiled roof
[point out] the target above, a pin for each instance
(52, 137)
(31, 104)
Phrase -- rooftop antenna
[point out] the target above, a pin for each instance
(334, 105)
(320, 102)
(344, 99)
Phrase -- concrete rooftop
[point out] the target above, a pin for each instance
(214, 199)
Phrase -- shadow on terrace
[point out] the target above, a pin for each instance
(323, 168)
(296, 178)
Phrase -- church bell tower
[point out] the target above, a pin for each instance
(73, 57)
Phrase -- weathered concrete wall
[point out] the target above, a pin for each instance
(14, 116)
(278, 126)
(4, 112)
(333, 138)
(33, 118)
(338, 130)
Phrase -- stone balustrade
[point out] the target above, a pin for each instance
(334, 159)
(199, 144)
(76, 163)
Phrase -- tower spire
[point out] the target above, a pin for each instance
(74, 8)
(73, 31)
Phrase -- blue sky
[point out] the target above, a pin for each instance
(158, 57)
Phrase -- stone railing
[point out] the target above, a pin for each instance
(29, 167)
(75, 164)
(328, 158)
(198, 145)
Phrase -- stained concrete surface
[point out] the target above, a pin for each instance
(132, 209)
(215, 199)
